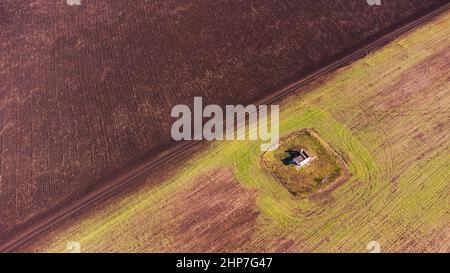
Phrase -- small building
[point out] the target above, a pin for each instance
(302, 159)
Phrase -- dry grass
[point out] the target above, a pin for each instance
(323, 170)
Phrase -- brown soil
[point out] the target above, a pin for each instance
(218, 215)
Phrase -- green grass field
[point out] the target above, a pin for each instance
(387, 114)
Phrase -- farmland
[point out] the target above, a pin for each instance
(388, 113)
(86, 91)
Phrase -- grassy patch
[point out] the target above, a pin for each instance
(323, 170)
